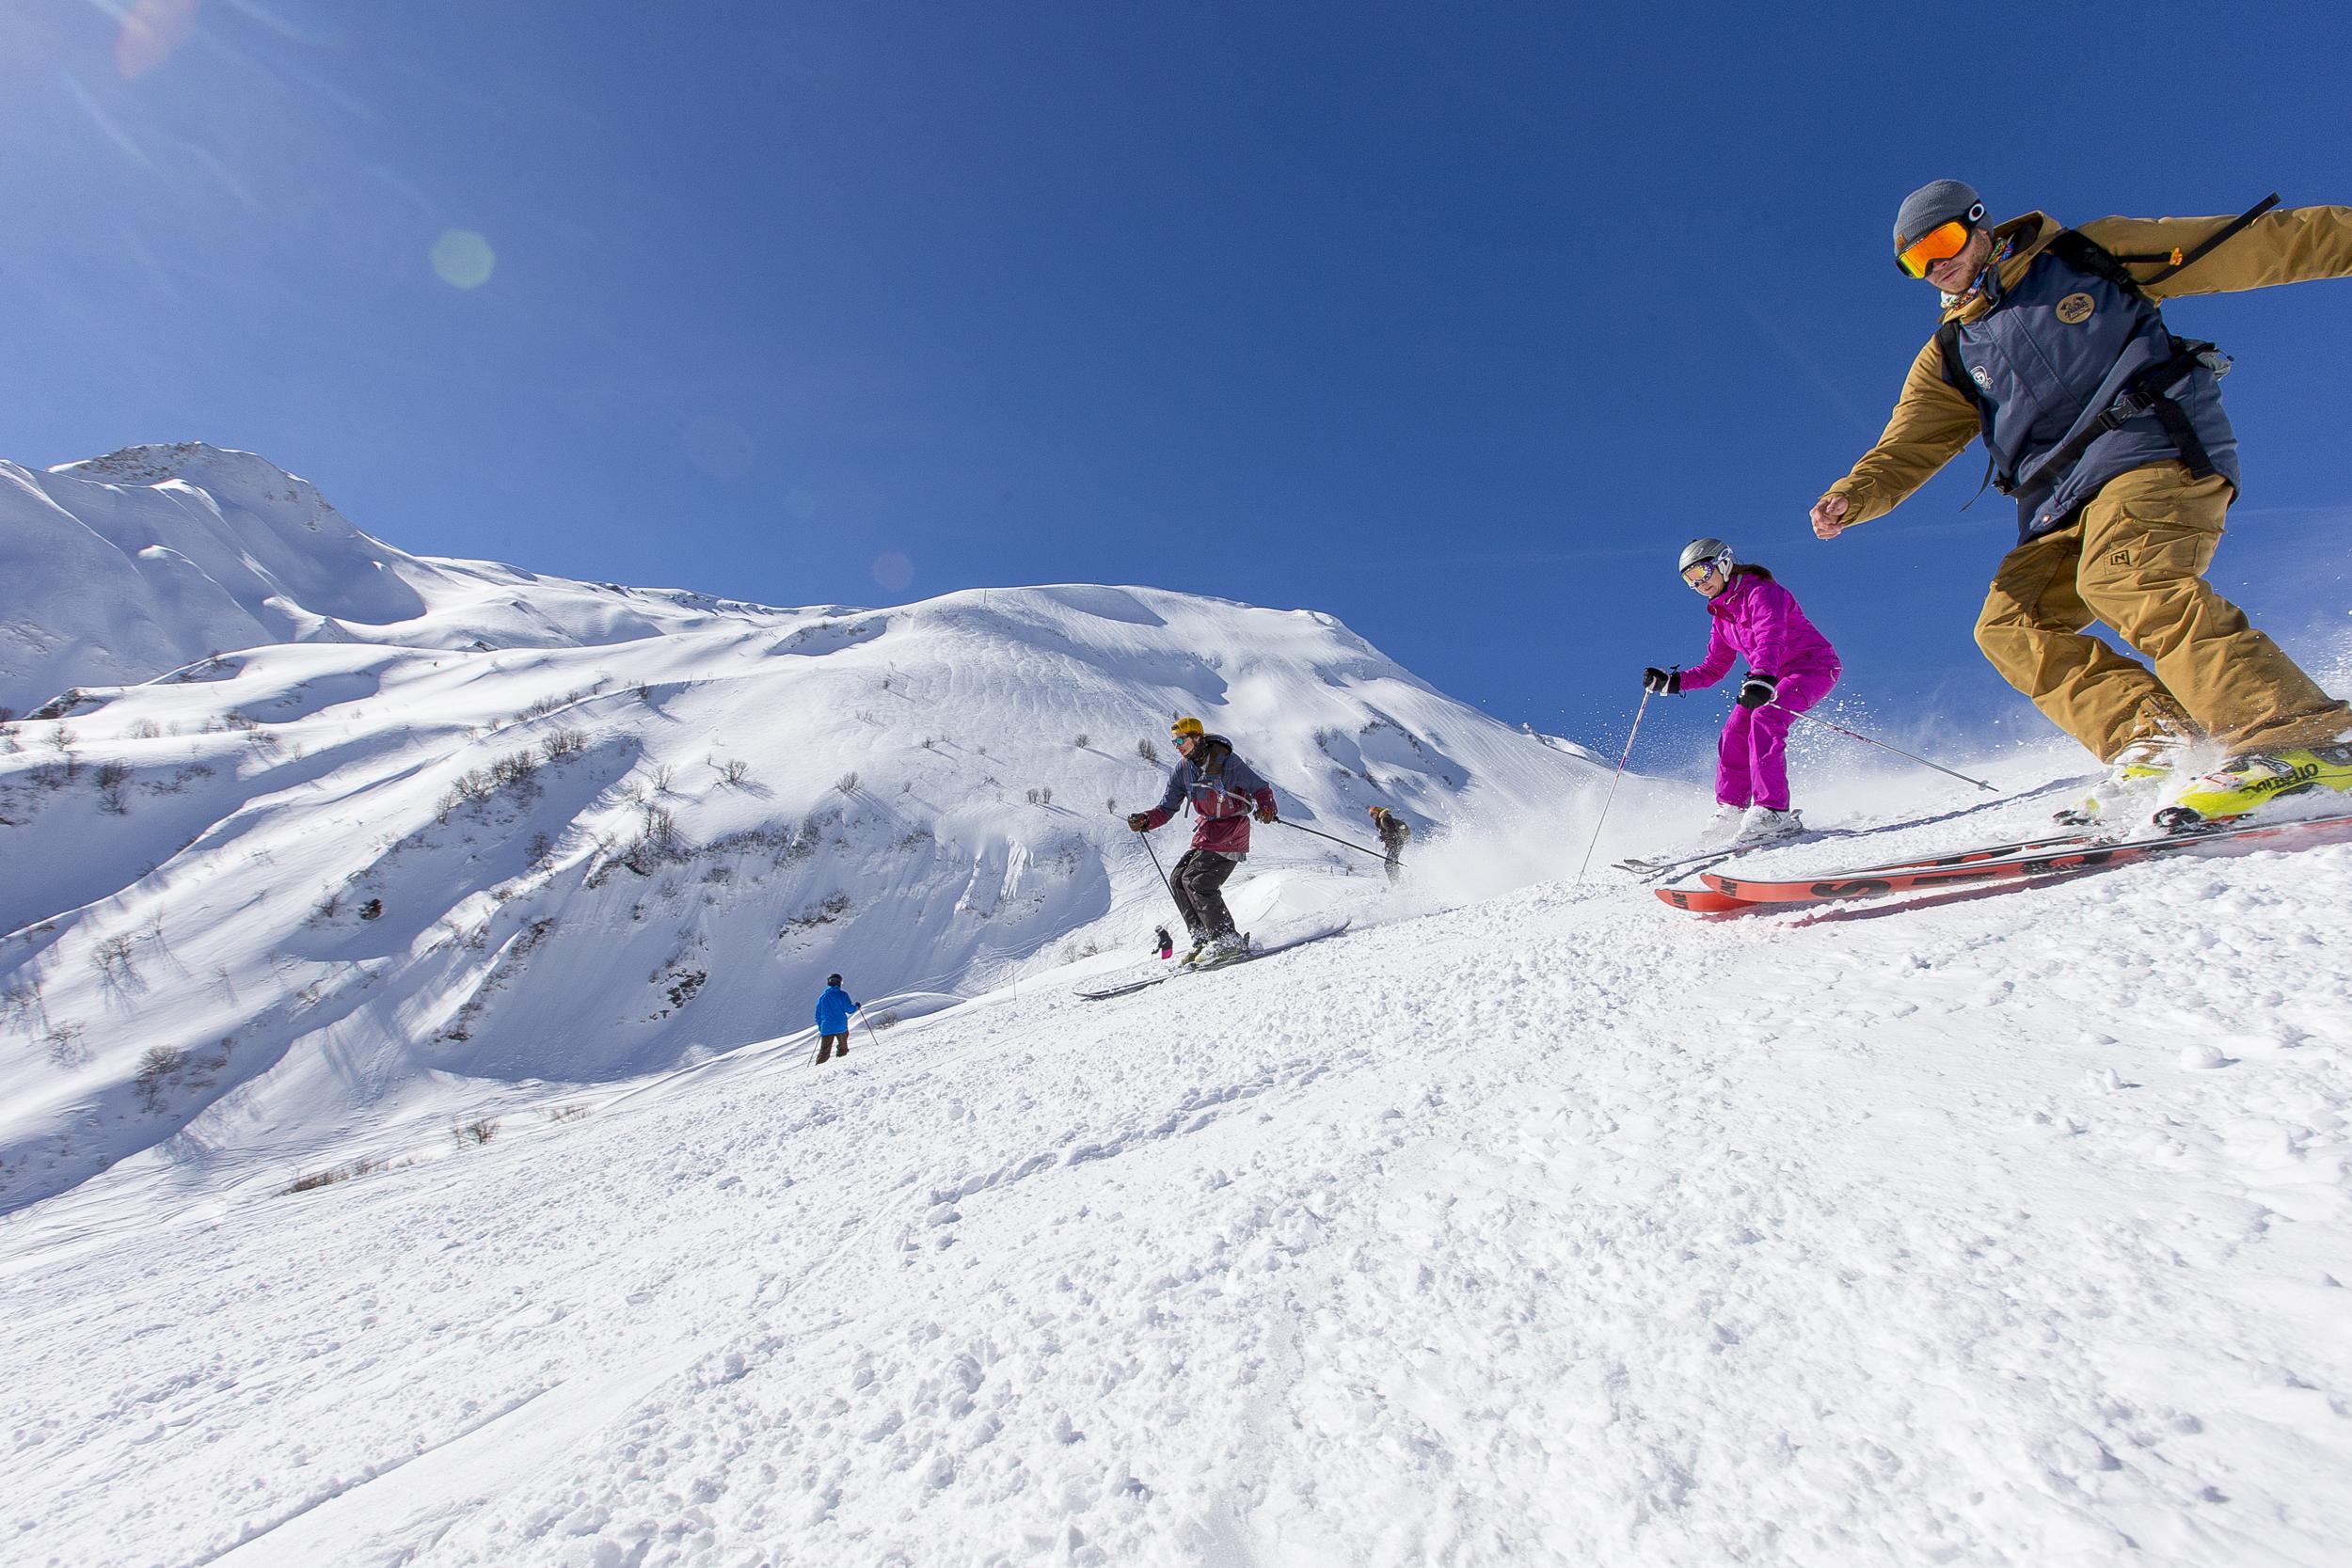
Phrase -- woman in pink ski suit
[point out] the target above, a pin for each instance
(1791, 666)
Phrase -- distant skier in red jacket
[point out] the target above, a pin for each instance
(1225, 793)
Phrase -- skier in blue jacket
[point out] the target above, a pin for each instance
(833, 1008)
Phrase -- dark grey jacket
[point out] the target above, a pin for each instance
(2050, 356)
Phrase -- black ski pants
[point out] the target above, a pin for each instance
(1197, 878)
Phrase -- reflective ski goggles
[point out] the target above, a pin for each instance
(1698, 572)
(1939, 244)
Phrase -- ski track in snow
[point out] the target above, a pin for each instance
(1557, 1229)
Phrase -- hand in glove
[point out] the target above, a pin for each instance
(1664, 683)
(1263, 814)
(1758, 689)
(1139, 821)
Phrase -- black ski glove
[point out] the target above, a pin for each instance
(1666, 683)
(1139, 821)
(1758, 689)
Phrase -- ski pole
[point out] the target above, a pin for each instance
(1613, 779)
(1883, 746)
(1286, 822)
(1376, 854)
(1164, 882)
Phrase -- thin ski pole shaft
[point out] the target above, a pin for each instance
(1286, 822)
(1613, 779)
(1376, 854)
(1853, 735)
(1166, 881)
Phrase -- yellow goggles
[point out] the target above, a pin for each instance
(1939, 244)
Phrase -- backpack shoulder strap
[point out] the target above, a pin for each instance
(1956, 375)
(2081, 252)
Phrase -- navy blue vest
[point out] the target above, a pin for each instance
(2048, 360)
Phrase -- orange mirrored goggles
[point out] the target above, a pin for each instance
(1939, 244)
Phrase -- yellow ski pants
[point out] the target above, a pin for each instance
(2134, 560)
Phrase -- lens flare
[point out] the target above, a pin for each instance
(893, 571)
(463, 259)
(153, 32)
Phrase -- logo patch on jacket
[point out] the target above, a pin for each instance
(1983, 378)
(2076, 308)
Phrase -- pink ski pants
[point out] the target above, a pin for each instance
(1751, 761)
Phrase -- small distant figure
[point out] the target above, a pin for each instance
(1393, 831)
(1166, 942)
(833, 1008)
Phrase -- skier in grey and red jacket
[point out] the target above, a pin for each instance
(1225, 793)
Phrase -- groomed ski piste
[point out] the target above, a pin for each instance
(1525, 1222)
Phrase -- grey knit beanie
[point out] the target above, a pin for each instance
(1936, 202)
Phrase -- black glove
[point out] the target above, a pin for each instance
(1666, 683)
(1139, 821)
(1758, 689)
(1265, 813)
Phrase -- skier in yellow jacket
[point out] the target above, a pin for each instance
(2108, 432)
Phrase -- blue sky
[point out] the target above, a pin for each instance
(1454, 319)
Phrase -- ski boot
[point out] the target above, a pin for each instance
(2252, 779)
(1200, 946)
(2139, 770)
(1762, 825)
(1721, 828)
(1224, 949)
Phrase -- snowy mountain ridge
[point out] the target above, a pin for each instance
(388, 869)
(125, 567)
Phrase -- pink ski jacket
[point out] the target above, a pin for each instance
(1757, 619)
(1223, 790)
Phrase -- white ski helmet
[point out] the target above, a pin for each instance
(1705, 551)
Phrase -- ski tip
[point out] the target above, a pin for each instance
(1701, 900)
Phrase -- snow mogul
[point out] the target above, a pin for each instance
(1791, 666)
(2108, 432)
(1225, 793)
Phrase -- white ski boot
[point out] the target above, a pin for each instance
(2135, 779)
(1721, 828)
(1762, 825)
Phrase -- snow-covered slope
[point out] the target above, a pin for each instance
(1560, 1228)
(125, 567)
(281, 893)
(411, 1153)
